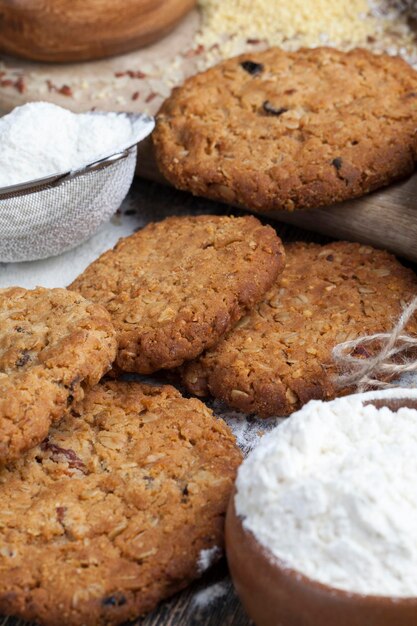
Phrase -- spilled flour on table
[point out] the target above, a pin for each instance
(247, 430)
(208, 557)
(207, 596)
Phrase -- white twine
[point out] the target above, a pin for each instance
(397, 355)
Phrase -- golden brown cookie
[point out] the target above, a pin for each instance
(288, 130)
(279, 355)
(53, 344)
(176, 286)
(111, 512)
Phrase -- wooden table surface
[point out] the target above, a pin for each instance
(191, 607)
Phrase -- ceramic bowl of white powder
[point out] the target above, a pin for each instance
(62, 175)
(322, 530)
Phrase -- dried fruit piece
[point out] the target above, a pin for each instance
(337, 163)
(252, 68)
(270, 109)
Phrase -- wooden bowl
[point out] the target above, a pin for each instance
(275, 595)
(82, 30)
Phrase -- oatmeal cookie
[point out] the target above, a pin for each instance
(176, 286)
(287, 130)
(53, 344)
(110, 513)
(279, 355)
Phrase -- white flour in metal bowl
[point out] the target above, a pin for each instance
(41, 139)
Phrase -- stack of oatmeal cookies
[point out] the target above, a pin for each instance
(111, 489)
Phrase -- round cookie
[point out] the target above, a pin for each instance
(287, 130)
(110, 514)
(176, 286)
(279, 355)
(53, 344)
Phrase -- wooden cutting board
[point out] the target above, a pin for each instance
(132, 82)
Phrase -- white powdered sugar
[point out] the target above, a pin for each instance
(332, 493)
(41, 139)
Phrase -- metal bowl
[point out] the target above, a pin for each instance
(47, 216)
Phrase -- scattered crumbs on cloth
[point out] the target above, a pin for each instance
(227, 27)
(211, 594)
(207, 558)
(238, 26)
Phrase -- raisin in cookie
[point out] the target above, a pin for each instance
(176, 286)
(288, 130)
(110, 513)
(279, 356)
(53, 343)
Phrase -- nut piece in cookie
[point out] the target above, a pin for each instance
(111, 513)
(176, 286)
(279, 355)
(53, 344)
(278, 130)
